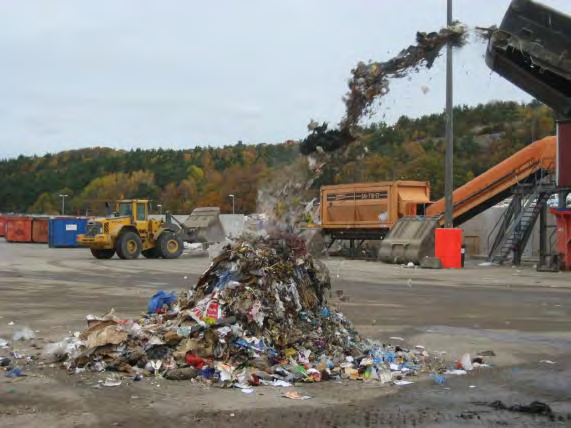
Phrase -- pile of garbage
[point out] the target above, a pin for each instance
(258, 315)
(371, 81)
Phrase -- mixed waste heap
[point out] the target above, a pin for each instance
(258, 315)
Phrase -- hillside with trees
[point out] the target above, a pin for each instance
(181, 180)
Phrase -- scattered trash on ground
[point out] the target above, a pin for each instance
(3, 343)
(112, 381)
(23, 333)
(548, 362)
(295, 395)
(457, 372)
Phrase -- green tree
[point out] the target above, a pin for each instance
(47, 203)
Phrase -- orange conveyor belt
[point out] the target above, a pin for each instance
(496, 184)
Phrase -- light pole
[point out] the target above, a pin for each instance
(448, 168)
(63, 203)
(233, 199)
(160, 207)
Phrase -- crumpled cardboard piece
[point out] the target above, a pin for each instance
(112, 334)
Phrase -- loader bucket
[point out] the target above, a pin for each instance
(410, 240)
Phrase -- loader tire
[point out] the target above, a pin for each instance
(151, 253)
(170, 245)
(129, 246)
(103, 254)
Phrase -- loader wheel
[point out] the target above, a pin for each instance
(103, 254)
(170, 245)
(129, 246)
(151, 253)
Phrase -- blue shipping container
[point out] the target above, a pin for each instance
(63, 231)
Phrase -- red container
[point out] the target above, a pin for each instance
(2, 225)
(564, 153)
(563, 220)
(40, 227)
(448, 247)
(19, 229)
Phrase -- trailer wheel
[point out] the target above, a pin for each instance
(170, 245)
(151, 253)
(129, 246)
(103, 254)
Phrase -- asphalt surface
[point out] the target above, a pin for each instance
(520, 314)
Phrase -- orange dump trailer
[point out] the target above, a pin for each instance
(369, 210)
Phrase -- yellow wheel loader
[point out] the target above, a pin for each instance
(129, 232)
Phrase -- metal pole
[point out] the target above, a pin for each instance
(62, 203)
(448, 168)
(232, 196)
(543, 236)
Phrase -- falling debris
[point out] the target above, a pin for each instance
(323, 140)
(371, 81)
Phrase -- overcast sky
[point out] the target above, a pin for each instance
(181, 73)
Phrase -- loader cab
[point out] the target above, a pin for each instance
(137, 209)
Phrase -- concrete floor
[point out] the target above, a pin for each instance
(520, 314)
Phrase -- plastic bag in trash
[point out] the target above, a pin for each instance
(159, 299)
(15, 372)
(23, 333)
(59, 351)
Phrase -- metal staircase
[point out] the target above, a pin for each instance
(516, 225)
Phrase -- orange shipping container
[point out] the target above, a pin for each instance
(19, 229)
(40, 227)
